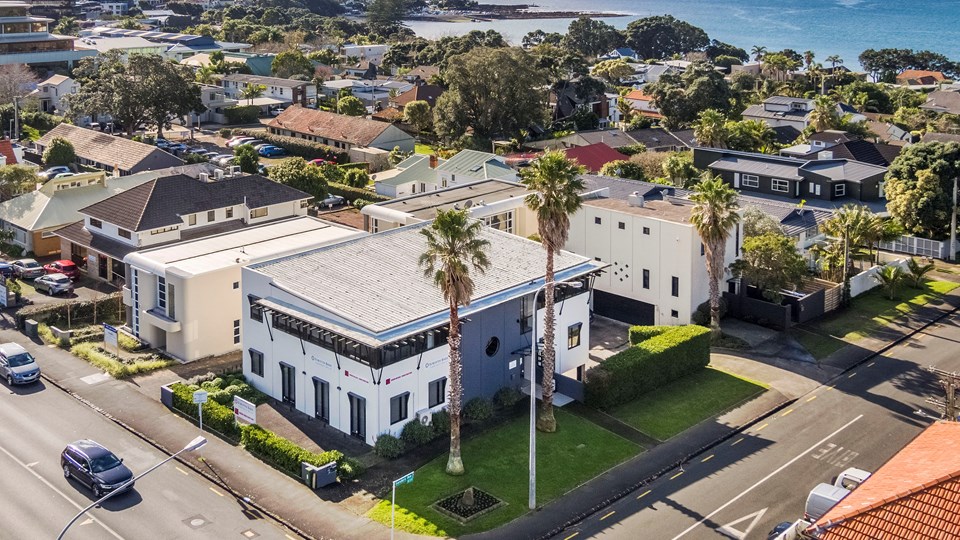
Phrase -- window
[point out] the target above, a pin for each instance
(779, 185)
(573, 335)
(493, 346)
(621, 225)
(646, 231)
(230, 213)
(163, 230)
(256, 362)
(750, 180)
(124, 233)
(258, 213)
(398, 407)
(812, 187)
(321, 399)
(597, 221)
(304, 203)
(236, 284)
(96, 223)
(256, 310)
(674, 313)
(161, 292)
(236, 331)
(526, 314)
(438, 392)
(675, 286)
(192, 219)
(646, 278)
(171, 302)
(703, 249)
(839, 190)
(211, 216)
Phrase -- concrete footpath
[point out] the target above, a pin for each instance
(228, 466)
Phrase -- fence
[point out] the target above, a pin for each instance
(923, 247)
(866, 280)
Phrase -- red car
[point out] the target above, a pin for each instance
(68, 268)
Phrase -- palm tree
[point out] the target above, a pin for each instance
(710, 129)
(252, 91)
(834, 60)
(758, 52)
(625, 107)
(918, 271)
(206, 74)
(824, 114)
(454, 249)
(714, 215)
(808, 58)
(554, 184)
(889, 277)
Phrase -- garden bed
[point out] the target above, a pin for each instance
(118, 367)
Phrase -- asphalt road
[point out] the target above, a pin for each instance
(744, 487)
(36, 501)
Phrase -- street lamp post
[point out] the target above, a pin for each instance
(190, 447)
(532, 502)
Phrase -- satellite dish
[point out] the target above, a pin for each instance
(468, 204)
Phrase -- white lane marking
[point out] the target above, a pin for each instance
(737, 534)
(34, 464)
(767, 477)
(58, 492)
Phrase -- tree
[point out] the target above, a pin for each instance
(251, 92)
(824, 114)
(246, 157)
(17, 179)
(680, 170)
(718, 49)
(419, 114)
(918, 271)
(289, 63)
(919, 187)
(129, 23)
(779, 65)
(206, 74)
(664, 36)
(554, 184)
(771, 263)
(711, 129)
(454, 251)
(834, 60)
(751, 136)
(808, 57)
(758, 52)
(613, 70)
(494, 91)
(714, 215)
(622, 168)
(351, 106)
(357, 178)
(67, 26)
(681, 97)
(385, 13)
(298, 174)
(591, 37)
(60, 152)
(171, 90)
(889, 277)
(756, 222)
(16, 80)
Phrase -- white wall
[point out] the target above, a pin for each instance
(570, 311)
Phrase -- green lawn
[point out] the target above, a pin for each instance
(869, 313)
(684, 403)
(496, 462)
(424, 149)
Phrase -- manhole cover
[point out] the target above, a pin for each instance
(249, 533)
(195, 522)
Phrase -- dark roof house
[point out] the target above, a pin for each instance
(109, 152)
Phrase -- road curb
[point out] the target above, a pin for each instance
(212, 479)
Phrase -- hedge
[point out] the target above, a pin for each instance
(658, 356)
(287, 456)
(299, 147)
(351, 193)
(215, 416)
(242, 114)
(108, 308)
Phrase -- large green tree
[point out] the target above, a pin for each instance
(290, 63)
(591, 37)
(173, 91)
(419, 114)
(613, 70)
(771, 263)
(663, 36)
(919, 188)
(710, 129)
(351, 106)
(496, 92)
(454, 252)
(246, 158)
(298, 174)
(554, 184)
(681, 97)
(59, 152)
(714, 215)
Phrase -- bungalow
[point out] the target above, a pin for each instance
(110, 153)
(943, 101)
(421, 174)
(256, 64)
(366, 352)
(642, 104)
(339, 131)
(832, 144)
(594, 156)
(50, 93)
(276, 91)
(619, 53)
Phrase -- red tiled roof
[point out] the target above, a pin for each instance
(921, 73)
(423, 92)
(916, 494)
(339, 127)
(638, 95)
(594, 156)
(6, 148)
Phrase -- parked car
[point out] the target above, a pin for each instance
(318, 161)
(252, 142)
(789, 531)
(235, 137)
(209, 154)
(54, 171)
(54, 284)
(237, 142)
(27, 269)
(822, 498)
(223, 161)
(162, 143)
(65, 174)
(69, 268)
(261, 169)
(91, 464)
(851, 478)
(6, 269)
(272, 151)
(177, 148)
(332, 200)
(17, 366)
(257, 147)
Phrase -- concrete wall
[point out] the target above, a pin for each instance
(866, 280)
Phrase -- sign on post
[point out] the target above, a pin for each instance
(244, 411)
(200, 397)
(405, 479)
(111, 337)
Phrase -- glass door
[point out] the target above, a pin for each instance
(358, 416)
(288, 383)
(321, 399)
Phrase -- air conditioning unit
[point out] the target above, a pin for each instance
(218, 174)
(204, 177)
(425, 417)
(234, 170)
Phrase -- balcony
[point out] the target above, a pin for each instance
(157, 317)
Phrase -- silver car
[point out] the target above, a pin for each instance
(54, 284)
(27, 269)
(17, 366)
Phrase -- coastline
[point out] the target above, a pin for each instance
(494, 12)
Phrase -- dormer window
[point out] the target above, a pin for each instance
(96, 223)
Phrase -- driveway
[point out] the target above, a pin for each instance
(85, 289)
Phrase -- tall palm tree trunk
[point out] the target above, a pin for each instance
(545, 420)
(455, 462)
(715, 273)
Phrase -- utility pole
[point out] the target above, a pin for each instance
(950, 382)
(16, 127)
(952, 253)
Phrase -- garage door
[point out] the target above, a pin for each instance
(622, 309)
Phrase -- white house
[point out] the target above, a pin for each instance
(276, 91)
(421, 173)
(50, 92)
(354, 335)
(372, 53)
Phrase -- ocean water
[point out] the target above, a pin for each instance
(827, 27)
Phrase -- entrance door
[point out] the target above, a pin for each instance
(358, 416)
(102, 266)
(321, 399)
(288, 384)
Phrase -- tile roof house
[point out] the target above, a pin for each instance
(339, 131)
(943, 101)
(109, 152)
(920, 77)
(422, 92)
(916, 494)
(594, 156)
(643, 104)
(833, 144)
(421, 73)
(420, 173)
(778, 111)
(659, 139)
(11, 153)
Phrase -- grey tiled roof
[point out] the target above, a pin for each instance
(764, 167)
(786, 100)
(842, 169)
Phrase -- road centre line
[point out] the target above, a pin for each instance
(217, 492)
(786, 413)
(644, 494)
(738, 441)
(572, 535)
(763, 426)
(612, 512)
(58, 492)
(185, 473)
(676, 475)
(767, 477)
(706, 459)
(811, 398)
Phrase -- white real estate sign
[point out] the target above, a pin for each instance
(244, 411)
(110, 335)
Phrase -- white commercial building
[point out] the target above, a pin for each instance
(354, 334)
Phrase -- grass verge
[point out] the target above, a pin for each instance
(496, 462)
(423, 149)
(672, 409)
(118, 369)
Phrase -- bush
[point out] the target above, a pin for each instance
(351, 193)
(96, 355)
(389, 447)
(81, 311)
(478, 409)
(226, 133)
(507, 397)
(416, 434)
(46, 335)
(59, 152)
(632, 149)
(129, 343)
(242, 114)
(441, 422)
(13, 250)
(360, 203)
(287, 456)
(702, 315)
(659, 355)
(299, 147)
(216, 416)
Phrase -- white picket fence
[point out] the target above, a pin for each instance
(913, 245)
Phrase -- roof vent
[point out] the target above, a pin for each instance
(218, 174)
(635, 199)
(204, 177)
(468, 204)
(825, 154)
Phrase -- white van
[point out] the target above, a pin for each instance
(821, 499)
(851, 478)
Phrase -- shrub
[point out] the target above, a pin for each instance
(12, 250)
(416, 434)
(478, 409)
(351, 193)
(441, 422)
(96, 355)
(360, 203)
(59, 152)
(226, 133)
(702, 315)
(216, 416)
(632, 149)
(81, 311)
(129, 343)
(299, 147)
(507, 397)
(658, 357)
(242, 114)
(46, 335)
(287, 456)
(389, 447)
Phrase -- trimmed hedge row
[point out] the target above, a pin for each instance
(287, 456)
(242, 114)
(107, 309)
(215, 416)
(351, 193)
(658, 356)
(299, 147)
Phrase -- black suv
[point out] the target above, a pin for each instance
(95, 467)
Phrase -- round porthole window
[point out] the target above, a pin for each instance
(493, 346)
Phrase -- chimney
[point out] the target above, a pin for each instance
(825, 154)
(635, 199)
(433, 161)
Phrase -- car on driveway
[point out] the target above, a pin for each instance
(63, 266)
(27, 269)
(54, 284)
(65, 175)
(272, 151)
(242, 140)
(53, 171)
(17, 366)
(176, 148)
(332, 200)
(99, 469)
(6, 269)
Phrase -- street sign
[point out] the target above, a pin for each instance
(405, 479)
(200, 396)
(244, 411)
(110, 335)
